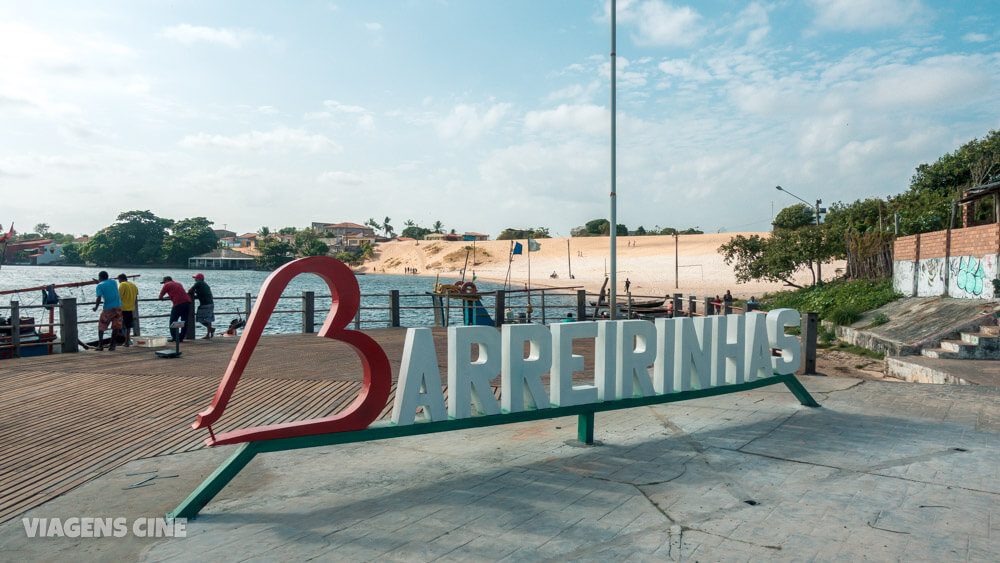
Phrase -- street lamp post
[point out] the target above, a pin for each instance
(818, 210)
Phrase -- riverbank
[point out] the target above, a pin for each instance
(647, 262)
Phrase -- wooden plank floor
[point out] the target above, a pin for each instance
(68, 419)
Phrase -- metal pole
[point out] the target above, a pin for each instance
(677, 268)
(819, 260)
(613, 302)
(308, 312)
(394, 307)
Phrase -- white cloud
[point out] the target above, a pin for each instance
(466, 122)
(588, 119)
(188, 34)
(373, 26)
(681, 68)
(260, 141)
(661, 23)
(849, 15)
(332, 108)
(342, 178)
(975, 38)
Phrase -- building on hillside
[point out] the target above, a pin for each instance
(49, 254)
(19, 252)
(341, 229)
(442, 236)
(954, 262)
(223, 233)
(475, 236)
(353, 241)
(222, 259)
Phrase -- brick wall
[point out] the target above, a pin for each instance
(975, 241)
(905, 248)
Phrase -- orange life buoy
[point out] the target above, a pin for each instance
(469, 287)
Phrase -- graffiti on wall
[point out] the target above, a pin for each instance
(902, 277)
(930, 278)
(972, 276)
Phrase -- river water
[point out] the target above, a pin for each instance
(230, 288)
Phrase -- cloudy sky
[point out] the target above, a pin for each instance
(481, 114)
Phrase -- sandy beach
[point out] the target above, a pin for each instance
(647, 261)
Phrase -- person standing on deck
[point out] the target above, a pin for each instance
(206, 307)
(181, 306)
(107, 290)
(129, 294)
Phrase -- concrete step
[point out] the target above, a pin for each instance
(939, 353)
(990, 330)
(963, 349)
(980, 338)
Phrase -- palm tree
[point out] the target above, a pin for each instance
(387, 227)
(438, 225)
(371, 222)
(409, 223)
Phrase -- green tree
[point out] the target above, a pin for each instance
(387, 227)
(135, 238)
(42, 229)
(188, 237)
(273, 253)
(287, 231)
(692, 231)
(415, 232)
(641, 231)
(263, 232)
(307, 243)
(668, 231)
(71, 254)
(540, 232)
(437, 226)
(794, 217)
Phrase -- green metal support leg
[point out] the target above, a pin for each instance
(799, 391)
(215, 482)
(585, 428)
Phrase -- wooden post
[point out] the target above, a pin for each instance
(691, 305)
(135, 319)
(357, 319)
(189, 332)
(709, 307)
(808, 339)
(308, 312)
(394, 307)
(629, 310)
(678, 304)
(498, 309)
(15, 329)
(581, 304)
(248, 305)
(68, 330)
(543, 307)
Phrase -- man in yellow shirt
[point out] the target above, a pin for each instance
(129, 294)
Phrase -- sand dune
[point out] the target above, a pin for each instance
(649, 265)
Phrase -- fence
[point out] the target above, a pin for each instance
(543, 305)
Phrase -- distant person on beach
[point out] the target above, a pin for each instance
(129, 294)
(727, 299)
(181, 302)
(717, 305)
(107, 290)
(628, 284)
(206, 306)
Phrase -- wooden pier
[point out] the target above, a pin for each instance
(66, 419)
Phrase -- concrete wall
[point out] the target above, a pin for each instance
(961, 263)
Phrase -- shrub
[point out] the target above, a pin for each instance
(878, 320)
(860, 295)
(845, 315)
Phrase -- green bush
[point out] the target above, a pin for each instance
(845, 315)
(826, 336)
(878, 320)
(824, 299)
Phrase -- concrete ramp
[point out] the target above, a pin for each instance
(916, 323)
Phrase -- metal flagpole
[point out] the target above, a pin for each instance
(613, 304)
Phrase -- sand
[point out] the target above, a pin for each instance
(649, 264)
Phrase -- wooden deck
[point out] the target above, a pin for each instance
(69, 418)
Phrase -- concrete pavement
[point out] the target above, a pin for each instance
(883, 471)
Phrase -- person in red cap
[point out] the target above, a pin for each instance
(181, 306)
(206, 307)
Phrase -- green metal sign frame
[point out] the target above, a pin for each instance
(225, 473)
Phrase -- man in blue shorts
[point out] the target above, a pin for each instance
(107, 291)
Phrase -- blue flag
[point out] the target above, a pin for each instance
(517, 248)
(533, 245)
